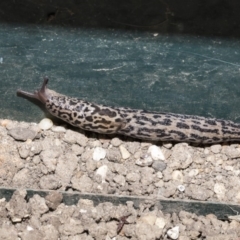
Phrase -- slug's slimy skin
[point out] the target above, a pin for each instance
(139, 124)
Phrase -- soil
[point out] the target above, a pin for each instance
(64, 159)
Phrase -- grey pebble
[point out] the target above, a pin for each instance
(198, 192)
(82, 183)
(49, 182)
(116, 142)
(17, 206)
(216, 148)
(120, 180)
(114, 155)
(38, 205)
(159, 165)
(53, 199)
(133, 177)
(49, 158)
(24, 151)
(78, 150)
(65, 167)
(22, 134)
(21, 178)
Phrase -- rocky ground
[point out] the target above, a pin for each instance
(47, 157)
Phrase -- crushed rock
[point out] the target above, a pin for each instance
(69, 160)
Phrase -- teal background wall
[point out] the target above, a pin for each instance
(122, 54)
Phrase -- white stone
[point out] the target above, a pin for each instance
(173, 233)
(156, 153)
(99, 153)
(124, 152)
(177, 175)
(216, 148)
(102, 171)
(150, 219)
(193, 172)
(143, 162)
(59, 129)
(181, 188)
(160, 222)
(45, 124)
(220, 190)
(29, 228)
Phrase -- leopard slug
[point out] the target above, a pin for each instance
(135, 123)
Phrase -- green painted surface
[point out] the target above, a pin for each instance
(182, 74)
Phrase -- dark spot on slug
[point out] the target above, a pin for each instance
(157, 116)
(166, 122)
(195, 127)
(102, 120)
(211, 122)
(182, 125)
(90, 126)
(89, 118)
(179, 133)
(196, 122)
(118, 120)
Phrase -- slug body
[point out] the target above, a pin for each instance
(135, 123)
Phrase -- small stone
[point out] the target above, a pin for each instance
(45, 124)
(156, 153)
(102, 171)
(114, 155)
(193, 172)
(159, 165)
(99, 153)
(38, 205)
(133, 177)
(17, 207)
(71, 227)
(167, 145)
(160, 222)
(231, 151)
(181, 188)
(220, 190)
(116, 142)
(177, 175)
(91, 165)
(21, 178)
(59, 129)
(173, 233)
(144, 161)
(24, 151)
(198, 193)
(124, 152)
(78, 150)
(49, 182)
(182, 156)
(22, 134)
(53, 200)
(65, 167)
(216, 148)
(82, 183)
(5, 122)
(119, 179)
(149, 219)
(49, 158)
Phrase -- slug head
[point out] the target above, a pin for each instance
(41, 94)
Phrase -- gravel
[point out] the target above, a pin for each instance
(66, 160)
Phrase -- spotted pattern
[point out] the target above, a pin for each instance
(135, 123)
(142, 124)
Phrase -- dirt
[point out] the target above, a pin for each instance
(63, 159)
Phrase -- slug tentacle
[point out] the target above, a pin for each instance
(40, 95)
(135, 123)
